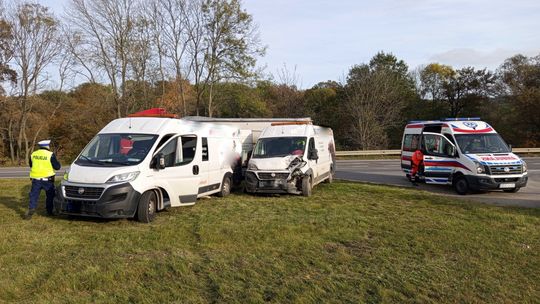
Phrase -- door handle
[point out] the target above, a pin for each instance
(195, 170)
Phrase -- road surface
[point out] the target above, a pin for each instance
(389, 172)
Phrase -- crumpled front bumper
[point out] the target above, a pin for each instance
(278, 185)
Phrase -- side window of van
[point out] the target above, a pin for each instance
(411, 142)
(437, 145)
(169, 153)
(179, 151)
(204, 149)
(186, 153)
(311, 145)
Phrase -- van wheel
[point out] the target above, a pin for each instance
(461, 185)
(306, 186)
(146, 211)
(225, 186)
(516, 189)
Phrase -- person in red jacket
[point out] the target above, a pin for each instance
(417, 161)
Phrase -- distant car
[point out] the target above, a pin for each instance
(463, 152)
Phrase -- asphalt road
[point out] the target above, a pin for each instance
(389, 172)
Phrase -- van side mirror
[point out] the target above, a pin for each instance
(158, 162)
(313, 154)
(510, 146)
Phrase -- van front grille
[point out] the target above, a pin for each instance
(505, 170)
(83, 192)
(273, 175)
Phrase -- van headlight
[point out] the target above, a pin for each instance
(124, 177)
(66, 174)
(252, 167)
(480, 168)
(524, 167)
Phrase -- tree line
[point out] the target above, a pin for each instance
(199, 57)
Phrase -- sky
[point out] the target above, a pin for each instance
(320, 40)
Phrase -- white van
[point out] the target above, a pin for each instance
(463, 152)
(137, 166)
(291, 158)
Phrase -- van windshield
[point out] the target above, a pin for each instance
(481, 143)
(279, 147)
(114, 150)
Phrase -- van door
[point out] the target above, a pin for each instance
(180, 177)
(313, 163)
(439, 158)
(208, 166)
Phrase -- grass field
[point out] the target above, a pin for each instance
(347, 243)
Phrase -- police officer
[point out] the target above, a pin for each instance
(43, 162)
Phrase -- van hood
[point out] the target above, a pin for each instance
(96, 175)
(496, 158)
(273, 163)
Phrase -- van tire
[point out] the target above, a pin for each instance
(146, 211)
(516, 189)
(306, 186)
(461, 185)
(225, 186)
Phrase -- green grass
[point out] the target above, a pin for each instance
(349, 242)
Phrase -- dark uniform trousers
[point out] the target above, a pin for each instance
(48, 186)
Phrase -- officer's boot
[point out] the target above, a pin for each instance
(29, 213)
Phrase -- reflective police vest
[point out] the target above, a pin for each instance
(41, 164)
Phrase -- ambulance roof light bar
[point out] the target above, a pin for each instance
(154, 112)
(460, 119)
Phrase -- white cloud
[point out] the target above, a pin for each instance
(461, 57)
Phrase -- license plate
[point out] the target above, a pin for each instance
(504, 186)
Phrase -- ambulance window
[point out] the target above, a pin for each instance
(437, 145)
(410, 142)
(205, 149)
(450, 138)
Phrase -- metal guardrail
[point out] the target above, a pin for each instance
(398, 152)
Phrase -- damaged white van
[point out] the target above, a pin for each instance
(463, 152)
(291, 158)
(136, 166)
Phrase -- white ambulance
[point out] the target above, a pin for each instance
(463, 152)
(291, 158)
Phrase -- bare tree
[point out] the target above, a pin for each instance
(232, 43)
(35, 46)
(105, 30)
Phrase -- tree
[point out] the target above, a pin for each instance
(232, 43)
(105, 32)
(458, 88)
(375, 96)
(35, 45)
(6, 53)
(520, 87)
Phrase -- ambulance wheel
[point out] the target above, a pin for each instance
(516, 189)
(225, 186)
(146, 211)
(306, 186)
(461, 185)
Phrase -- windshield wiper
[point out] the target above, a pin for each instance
(125, 163)
(91, 160)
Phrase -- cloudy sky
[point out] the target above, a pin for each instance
(324, 38)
